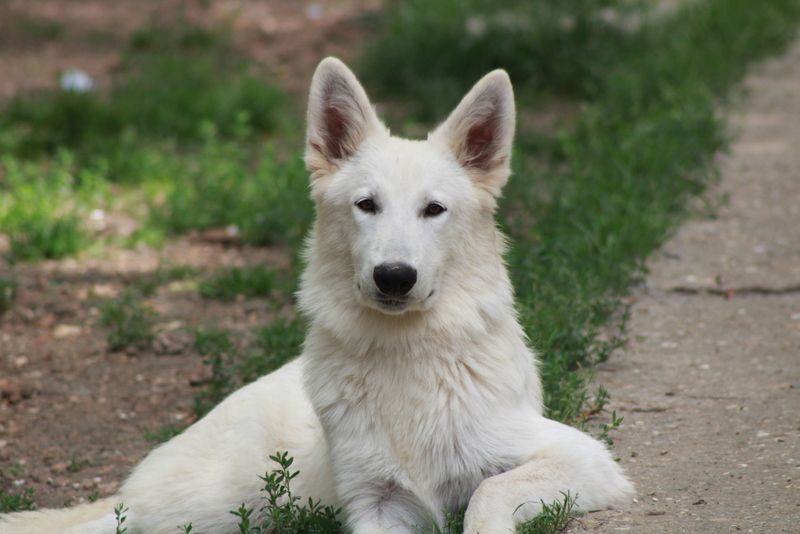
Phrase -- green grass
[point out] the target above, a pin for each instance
(185, 121)
(549, 45)
(230, 283)
(16, 501)
(263, 197)
(553, 518)
(171, 80)
(12, 499)
(588, 204)
(43, 205)
(638, 151)
(130, 324)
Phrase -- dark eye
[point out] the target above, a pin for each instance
(434, 209)
(367, 205)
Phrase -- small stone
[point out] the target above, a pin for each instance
(66, 330)
(59, 467)
(172, 342)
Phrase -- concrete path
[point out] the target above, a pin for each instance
(709, 384)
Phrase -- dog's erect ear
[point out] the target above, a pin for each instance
(480, 131)
(340, 117)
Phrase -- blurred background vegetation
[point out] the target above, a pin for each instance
(194, 133)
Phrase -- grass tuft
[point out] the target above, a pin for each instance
(130, 324)
(553, 518)
(42, 206)
(249, 281)
(14, 500)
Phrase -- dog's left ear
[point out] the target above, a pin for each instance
(340, 117)
(480, 131)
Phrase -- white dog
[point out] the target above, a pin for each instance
(416, 392)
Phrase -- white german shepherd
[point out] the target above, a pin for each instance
(416, 392)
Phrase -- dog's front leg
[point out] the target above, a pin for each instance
(561, 459)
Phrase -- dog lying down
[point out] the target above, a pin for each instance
(416, 393)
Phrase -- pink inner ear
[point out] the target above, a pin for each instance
(335, 132)
(481, 143)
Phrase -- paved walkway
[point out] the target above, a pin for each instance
(709, 384)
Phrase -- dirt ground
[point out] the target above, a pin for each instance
(709, 385)
(72, 413)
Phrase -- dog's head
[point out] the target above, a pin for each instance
(400, 211)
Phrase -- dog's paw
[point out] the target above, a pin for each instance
(487, 512)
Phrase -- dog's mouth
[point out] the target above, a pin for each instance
(398, 305)
(392, 305)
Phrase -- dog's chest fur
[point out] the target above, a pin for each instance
(430, 420)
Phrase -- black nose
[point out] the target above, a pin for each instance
(394, 279)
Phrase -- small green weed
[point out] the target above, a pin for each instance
(15, 501)
(120, 514)
(76, 465)
(553, 518)
(129, 323)
(283, 511)
(249, 281)
(607, 428)
(8, 292)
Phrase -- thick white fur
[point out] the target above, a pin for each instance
(396, 414)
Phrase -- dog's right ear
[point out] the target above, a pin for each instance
(340, 117)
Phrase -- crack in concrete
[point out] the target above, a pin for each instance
(731, 292)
